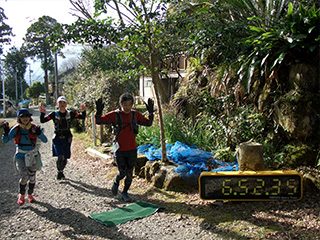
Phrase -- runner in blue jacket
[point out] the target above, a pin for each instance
(27, 157)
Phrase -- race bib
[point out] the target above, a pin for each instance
(115, 146)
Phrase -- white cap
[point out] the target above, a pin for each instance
(61, 98)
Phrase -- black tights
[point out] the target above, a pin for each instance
(23, 188)
(61, 163)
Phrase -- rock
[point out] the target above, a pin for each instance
(304, 76)
(107, 148)
(297, 113)
(173, 180)
(159, 177)
(150, 169)
(94, 153)
(311, 182)
(166, 178)
(139, 168)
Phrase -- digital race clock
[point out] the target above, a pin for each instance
(250, 185)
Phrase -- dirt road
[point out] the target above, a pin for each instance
(62, 208)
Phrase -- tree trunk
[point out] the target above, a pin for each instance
(155, 74)
(158, 89)
(161, 89)
(164, 157)
(46, 77)
(46, 86)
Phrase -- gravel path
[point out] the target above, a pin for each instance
(62, 208)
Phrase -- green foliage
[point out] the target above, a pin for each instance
(102, 73)
(109, 58)
(318, 160)
(294, 36)
(209, 32)
(36, 41)
(244, 49)
(233, 45)
(138, 31)
(5, 30)
(36, 45)
(148, 135)
(293, 155)
(257, 37)
(226, 154)
(35, 90)
(15, 66)
(211, 133)
(222, 135)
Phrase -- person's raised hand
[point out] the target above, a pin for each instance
(99, 106)
(42, 109)
(6, 128)
(83, 107)
(38, 130)
(150, 106)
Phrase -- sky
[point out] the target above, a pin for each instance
(22, 13)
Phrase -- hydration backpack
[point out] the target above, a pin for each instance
(58, 121)
(117, 128)
(32, 136)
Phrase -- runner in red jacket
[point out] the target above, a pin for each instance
(125, 123)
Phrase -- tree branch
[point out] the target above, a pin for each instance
(79, 6)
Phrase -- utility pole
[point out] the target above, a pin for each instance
(30, 72)
(21, 90)
(56, 73)
(16, 81)
(3, 94)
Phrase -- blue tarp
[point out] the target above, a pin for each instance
(190, 159)
(27, 101)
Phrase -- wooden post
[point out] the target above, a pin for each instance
(93, 129)
(102, 136)
(250, 156)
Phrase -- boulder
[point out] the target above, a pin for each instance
(150, 169)
(163, 176)
(140, 166)
(311, 182)
(296, 113)
(168, 179)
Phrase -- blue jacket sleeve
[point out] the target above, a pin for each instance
(43, 137)
(11, 135)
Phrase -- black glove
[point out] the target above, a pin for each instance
(38, 130)
(6, 128)
(99, 106)
(150, 105)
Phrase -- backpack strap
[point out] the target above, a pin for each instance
(134, 125)
(58, 120)
(31, 134)
(17, 137)
(117, 128)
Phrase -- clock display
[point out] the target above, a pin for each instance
(251, 186)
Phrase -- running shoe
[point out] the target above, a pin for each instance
(31, 199)
(60, 176)
(21, 199)
(114, 189)
(125, 197)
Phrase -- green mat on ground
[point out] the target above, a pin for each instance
(125, 214)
